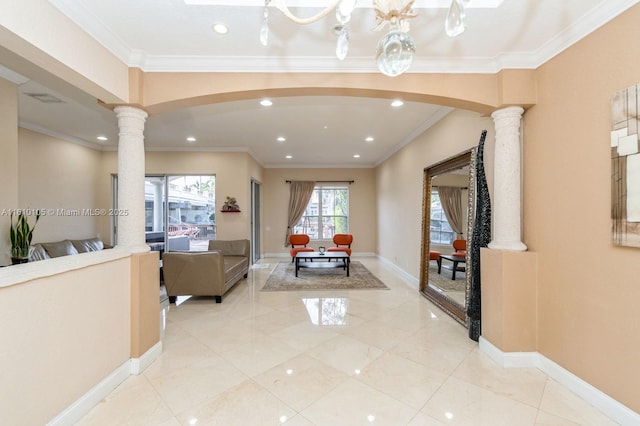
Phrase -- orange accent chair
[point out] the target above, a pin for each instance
(459, 248)
(435, 255)
(298, 244)
(342, 242)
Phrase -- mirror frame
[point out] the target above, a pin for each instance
(451, 307)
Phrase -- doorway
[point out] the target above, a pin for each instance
(256, 230)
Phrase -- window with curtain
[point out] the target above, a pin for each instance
(326, 214)
(440, 231)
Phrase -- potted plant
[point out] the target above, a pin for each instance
(20, 235)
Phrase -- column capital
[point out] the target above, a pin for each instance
(512, 111)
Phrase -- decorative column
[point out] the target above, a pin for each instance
(131, 179)
(507, 227)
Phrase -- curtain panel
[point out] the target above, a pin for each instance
(450, 199)
(300, 193)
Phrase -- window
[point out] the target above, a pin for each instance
(327, 213)
(440, 230)
(179, 210)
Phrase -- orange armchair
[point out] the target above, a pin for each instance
(459, 248)
(342, 242)
(298, 244)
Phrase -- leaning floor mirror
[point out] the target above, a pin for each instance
(448, 212)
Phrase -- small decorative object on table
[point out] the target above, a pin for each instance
(230, 205)
(322, 249)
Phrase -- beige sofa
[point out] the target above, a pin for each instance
(206, 273)
(42, 251)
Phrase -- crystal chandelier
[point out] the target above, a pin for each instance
(396, 49)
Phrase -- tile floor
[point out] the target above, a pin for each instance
(330, 358)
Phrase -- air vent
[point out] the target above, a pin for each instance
(46, 98)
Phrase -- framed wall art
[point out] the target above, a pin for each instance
(625, 167)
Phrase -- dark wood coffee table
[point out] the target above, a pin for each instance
(316, 260)
(456, 261)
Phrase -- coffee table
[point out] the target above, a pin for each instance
(318, 260)
(456, 260)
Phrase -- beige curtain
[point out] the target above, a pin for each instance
(299, 196)
(450, 199)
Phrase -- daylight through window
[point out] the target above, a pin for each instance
(327, 213)
(440, 230)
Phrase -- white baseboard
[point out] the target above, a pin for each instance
(413, 281)
(76, 411)
(592, 395)
(138, 365)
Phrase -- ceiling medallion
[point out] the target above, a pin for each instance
(396, 49)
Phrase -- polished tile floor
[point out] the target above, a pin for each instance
(362, 357)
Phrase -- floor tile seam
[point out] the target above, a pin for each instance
(541, 410)
(299, 412)
(404, 404)
(264, 388)
(494, 394)
(536, 406)
(161, 398)
(360, 379)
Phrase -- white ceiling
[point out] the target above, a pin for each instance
(170, 35)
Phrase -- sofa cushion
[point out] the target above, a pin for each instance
(60, 248)
(87, 245)
(38, 252)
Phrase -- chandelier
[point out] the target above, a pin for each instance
(396, 49)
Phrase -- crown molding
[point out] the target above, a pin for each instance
(600, 15)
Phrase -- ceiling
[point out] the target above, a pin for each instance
(171, 35)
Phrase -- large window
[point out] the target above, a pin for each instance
(179, 211)
(440, 230)
(327, 213)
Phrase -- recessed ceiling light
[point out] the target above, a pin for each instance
(281, 139)
(191, 139)
(102, 138)
(266, 102)
(288, 156)
(369, 139)
(356, 156)
(397, 103)
(220, 28)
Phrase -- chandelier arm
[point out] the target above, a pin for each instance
(282, 6)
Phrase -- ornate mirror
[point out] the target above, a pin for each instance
(448, 212)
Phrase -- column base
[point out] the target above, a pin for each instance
(509, 304)
(507, 245)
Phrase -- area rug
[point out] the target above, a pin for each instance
(283, 278)
(444, 281)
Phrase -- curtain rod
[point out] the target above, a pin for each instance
(329, 181)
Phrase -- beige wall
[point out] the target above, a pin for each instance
(588, 288)
(61, 335)
(399, 183)
(56, 175)
(362, 213)
(8, 163)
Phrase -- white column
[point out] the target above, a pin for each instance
(131, 178)
(506, 211)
